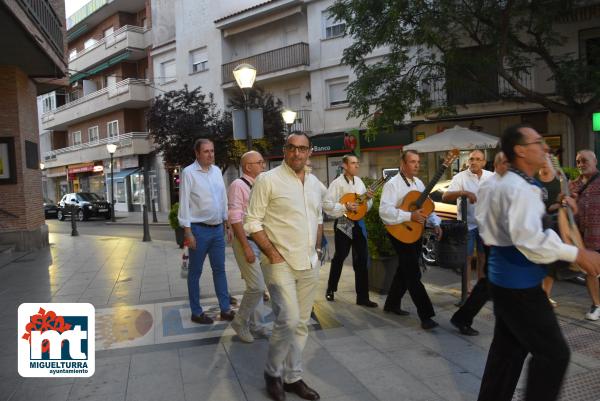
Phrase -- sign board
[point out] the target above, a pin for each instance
(255, 116)
(596, 121)
(334, 167)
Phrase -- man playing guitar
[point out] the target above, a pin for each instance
(348, 233)
(408, 274)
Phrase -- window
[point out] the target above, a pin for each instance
(109, 31)
(168, 71)
(589, 47)
(331, 28)
(89, 43)
(198, 60)
(112, 129)
(110, 80)
(93, 136)
(337, 92)
(72, 54)
(48, 102)
(76, 138)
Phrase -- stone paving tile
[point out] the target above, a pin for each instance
(53, 393)
(424, 363)
(206, 361)
(150, 363)
(209, 389)
(154, 295)
(107, 379)
(164, 385)
(456, 386)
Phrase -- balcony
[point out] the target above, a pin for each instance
(133, 39)
(131, 143)
(302, 122)
(130, 93)
(442, 94)
(273, 61)
(48, 22)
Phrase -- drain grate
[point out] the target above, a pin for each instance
(580, 387)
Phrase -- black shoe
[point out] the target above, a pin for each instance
(464, 329)
(397, 311)
(301, 390)
(202, 319)
(329, 295)
(274, 387)
(428, 324)
(368, 303)
(228, 315)
(233, 301)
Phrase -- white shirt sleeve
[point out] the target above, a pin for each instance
(259, 200)
(387, 206)
(525, 228)
(331, 204)
(184, 199)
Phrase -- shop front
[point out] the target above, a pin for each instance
(129, 184)
(87, 177)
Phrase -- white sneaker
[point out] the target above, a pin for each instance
(242, 331)
(594, 313)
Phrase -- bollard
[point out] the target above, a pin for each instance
(146, 224)
(74, 232)
(154, 219)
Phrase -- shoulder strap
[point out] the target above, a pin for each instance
(584, 187)
(247, 182)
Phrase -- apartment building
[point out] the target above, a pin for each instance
(108, 92)
(297, 51)
(32, 62)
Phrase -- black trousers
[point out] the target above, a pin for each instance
(525, 323)
(480, 294)
(408, 277)
(358, 243)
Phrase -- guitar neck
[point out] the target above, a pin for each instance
(430, 186)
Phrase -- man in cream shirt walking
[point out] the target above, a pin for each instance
(285, 220)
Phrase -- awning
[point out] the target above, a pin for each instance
(103, 66)
(121, 174)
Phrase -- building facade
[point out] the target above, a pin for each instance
(32, 62)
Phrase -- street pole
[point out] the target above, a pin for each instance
(112, 190)
(154, 218)
(74, 232)
(146, 199)
(246, 114)
(289, 129)
(464, 281)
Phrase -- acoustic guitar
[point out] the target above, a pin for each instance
(410, 231)
(361, 200)
(567, 227)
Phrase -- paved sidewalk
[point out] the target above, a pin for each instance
(148, 350)
(137, 218)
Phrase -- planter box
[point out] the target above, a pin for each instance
(381, 273)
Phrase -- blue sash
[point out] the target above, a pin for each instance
(509, 268)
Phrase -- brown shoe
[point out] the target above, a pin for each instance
(228, 315)
(301, 390)
(202, 319)
(233, 300)
(274, 387)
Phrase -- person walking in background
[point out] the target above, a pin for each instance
(408, 274)
(463, 317)
(285, 220)
(525, 320)
(347, 233)
(246, 251)
(467, 183)
(203, 216)
(586, 190)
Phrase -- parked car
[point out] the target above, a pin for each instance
(50, 208)
(446, 211)
(85, 205)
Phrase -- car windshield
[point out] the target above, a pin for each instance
(48, 201)
(88, 196)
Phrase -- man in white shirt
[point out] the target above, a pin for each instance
(463, 317)
(408, 274)
(246, 252)
(203, 216)
(285, 220)
(466, 183)
(510, 222)
(347, 233)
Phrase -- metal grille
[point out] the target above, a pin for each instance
(579, 387)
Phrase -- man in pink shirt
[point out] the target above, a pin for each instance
(244, 249)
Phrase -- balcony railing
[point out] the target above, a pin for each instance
(43, 14)
(121, 140)
(302, 122)
(271, 61)
(111, 40)
(471, 93)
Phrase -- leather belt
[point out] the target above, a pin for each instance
(207, 225)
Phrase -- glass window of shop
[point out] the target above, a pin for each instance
(120, 193)
(137, 188)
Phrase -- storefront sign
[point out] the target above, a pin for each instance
(81, 169)
(98, 169)
(596, 122)
(55, 172)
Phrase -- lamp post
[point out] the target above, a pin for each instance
(244, 75)
(289, 116)
(112, 148)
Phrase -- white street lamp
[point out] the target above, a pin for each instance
(245, 74)
(42, 165)
(289, 116)
(112, 148)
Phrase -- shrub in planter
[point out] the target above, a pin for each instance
(383, 257)
(174, 223)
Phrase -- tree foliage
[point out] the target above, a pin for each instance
(425, 40)
(177, 118)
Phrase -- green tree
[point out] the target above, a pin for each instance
(469, 43)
